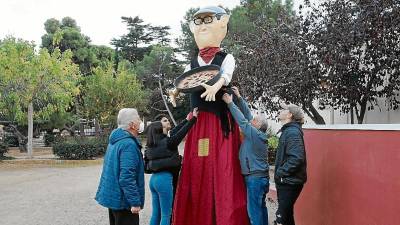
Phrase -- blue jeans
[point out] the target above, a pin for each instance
(162, 198)
(257, 189)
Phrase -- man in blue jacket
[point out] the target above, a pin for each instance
(253, 157)
(121, 187)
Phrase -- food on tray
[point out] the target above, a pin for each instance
(196, 79)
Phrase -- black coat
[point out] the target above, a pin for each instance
(291, 163)
(165, 156)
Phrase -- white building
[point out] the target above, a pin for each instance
(380, 115)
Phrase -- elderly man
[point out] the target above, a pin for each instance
(121, 187)
(253, 157)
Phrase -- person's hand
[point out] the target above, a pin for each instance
(236, 91)
(195, 112)
(135, 210)
(227, 98)
(189, 116)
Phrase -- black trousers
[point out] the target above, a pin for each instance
(123, 217)
(287, 196)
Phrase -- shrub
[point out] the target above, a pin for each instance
(11, 141)
(49, 139)
(80, 148)
(273, 143)
(3, 149)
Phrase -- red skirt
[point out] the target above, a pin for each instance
(211, 188)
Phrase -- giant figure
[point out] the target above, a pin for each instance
(211, 189)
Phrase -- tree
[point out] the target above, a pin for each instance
(157, 71)
(106, 92)
(273, 63)
(186, 42)
(134, 45)
(67, 36)
(34, 86)
(358, 44)
(160, 34)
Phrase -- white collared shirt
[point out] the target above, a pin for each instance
(227, 67)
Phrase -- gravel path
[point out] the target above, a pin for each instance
(62, 196)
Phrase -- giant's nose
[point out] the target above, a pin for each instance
(203, 27)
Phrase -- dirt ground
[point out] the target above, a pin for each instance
(48, 191)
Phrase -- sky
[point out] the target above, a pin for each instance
(98, 19)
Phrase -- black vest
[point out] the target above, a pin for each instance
(218, 107)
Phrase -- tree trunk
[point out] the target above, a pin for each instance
(69, 129)
(351, 115)
(165, 103)
(21, 139)
(313, 113)
(30, 129)
(81, 128)
(96, 127)
(363, 110)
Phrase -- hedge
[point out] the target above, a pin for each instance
(11, 141)
(80, 148)
(49, 139)
(3, 149)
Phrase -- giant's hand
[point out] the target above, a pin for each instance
(210, 92)
(173, 94)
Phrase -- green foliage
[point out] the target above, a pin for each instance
(47, 80)
(186, 42)
(81, 148)
(137, 43)
(273, 143)
(157, 65)
(11, 141)
(67, 36)
(107, 92)
(51, 25)
(49, 139)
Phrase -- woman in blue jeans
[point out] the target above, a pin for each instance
(162, 159)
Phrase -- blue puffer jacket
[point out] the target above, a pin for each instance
(122, 180)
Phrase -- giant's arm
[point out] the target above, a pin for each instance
(227, 67)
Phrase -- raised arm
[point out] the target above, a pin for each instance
(174, 130)
(244, 107)
(244, 124)
(242, 104)
(175, 139)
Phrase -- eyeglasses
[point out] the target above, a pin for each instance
(207, 19)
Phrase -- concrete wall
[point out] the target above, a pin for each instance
(353, 176)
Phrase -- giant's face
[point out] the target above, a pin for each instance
(209, 34)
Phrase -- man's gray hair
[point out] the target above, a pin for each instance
(126, 116)
(262, 119)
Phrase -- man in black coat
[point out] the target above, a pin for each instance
(290, 164)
